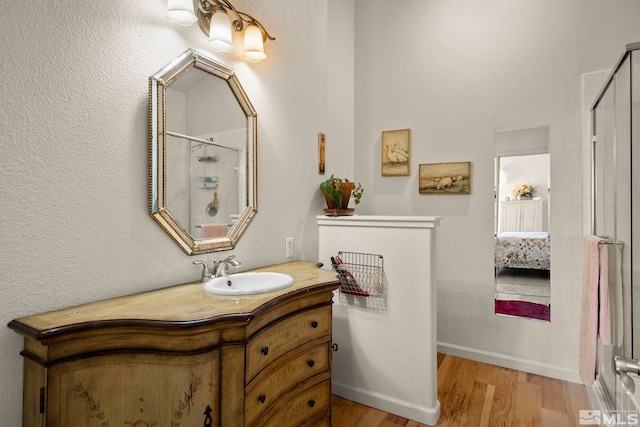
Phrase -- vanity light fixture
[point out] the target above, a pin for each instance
(218, 19)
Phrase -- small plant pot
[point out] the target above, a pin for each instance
(347, 187)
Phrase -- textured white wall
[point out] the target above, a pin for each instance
(454, 72)
(386, 345)
(73, 153)
(518, 170)
(340, 92)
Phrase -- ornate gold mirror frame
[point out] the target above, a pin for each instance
(160, 136)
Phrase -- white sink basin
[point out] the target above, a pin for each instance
(248, 283)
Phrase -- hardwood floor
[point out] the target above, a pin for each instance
(476, 394)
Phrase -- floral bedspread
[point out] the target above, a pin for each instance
(523, 250)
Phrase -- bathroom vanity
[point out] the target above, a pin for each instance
(180, 357)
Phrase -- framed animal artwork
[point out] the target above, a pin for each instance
(444, 178)
(396, 152)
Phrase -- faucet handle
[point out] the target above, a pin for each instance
(220, 267)
(206, 273)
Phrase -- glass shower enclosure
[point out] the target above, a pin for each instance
(616, 206)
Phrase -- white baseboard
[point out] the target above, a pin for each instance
(525, 365)
(409, 410)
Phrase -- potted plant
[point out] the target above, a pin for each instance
(337, 193)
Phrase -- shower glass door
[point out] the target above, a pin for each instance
(612, 221)
(634, 263)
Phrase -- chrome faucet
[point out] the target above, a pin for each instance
(220, 268)
(206, 272)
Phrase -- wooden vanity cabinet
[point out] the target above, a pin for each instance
(180, 358)
(99, 378)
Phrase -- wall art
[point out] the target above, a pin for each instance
(322, 140)
(445, 178)
(396, 152)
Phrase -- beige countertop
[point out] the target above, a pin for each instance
(182, 305)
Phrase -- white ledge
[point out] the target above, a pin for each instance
(380, 221)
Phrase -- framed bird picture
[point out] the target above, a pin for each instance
(396, 152)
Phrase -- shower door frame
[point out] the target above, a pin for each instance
(621, 252)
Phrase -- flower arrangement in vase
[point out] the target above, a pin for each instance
(524, 191)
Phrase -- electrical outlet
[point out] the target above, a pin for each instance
(288, 247)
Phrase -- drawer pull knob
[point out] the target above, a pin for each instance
(334, 347)
(312, 403)
(311, 363)
(262, 398)
(264, 350)
(314, 324)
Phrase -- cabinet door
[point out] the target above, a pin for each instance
(531, 217)
(511, 215)
(135, 390)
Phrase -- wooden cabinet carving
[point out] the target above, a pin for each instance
(180, 358)
(170, 391)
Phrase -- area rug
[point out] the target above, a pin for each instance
(526, 309)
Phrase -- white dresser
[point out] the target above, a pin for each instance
(523, 215)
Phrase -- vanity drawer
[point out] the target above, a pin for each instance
(302, 405)
(267, 388)
(320, 420)
(284, 336)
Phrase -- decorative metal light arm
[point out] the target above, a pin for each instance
(253, 21)
(208, 7)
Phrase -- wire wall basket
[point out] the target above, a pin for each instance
(359, 273)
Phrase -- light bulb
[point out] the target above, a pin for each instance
(181, 12)
(220, 31)
(253, 44)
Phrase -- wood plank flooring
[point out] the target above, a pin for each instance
(476, 394)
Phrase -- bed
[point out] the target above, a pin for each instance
(528, 250)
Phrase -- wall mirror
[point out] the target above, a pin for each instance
(522, 246)
(203, 145)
